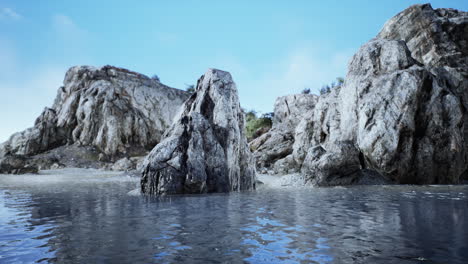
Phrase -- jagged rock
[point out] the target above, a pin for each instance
(285, 165)
(438, 38)
(290, 109)
(119, 112)
(205, 150)
(434, 37)
(337, 165)
(127, 164)
(15, 164)
(410, 128)
(273, 149)
(401, 114)
(317, 126)
(124, 164)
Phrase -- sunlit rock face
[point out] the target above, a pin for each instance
(116, 111)
(437, 38)
(205, 150)
(272, 150)
(403, 122)
(402, 109)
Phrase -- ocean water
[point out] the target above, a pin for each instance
(90, 216)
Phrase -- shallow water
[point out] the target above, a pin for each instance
(83, 216)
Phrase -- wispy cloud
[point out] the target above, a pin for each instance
(301, 68)
(70, 39)
(30, 84)
(66, 27)
(8, 58)
(10, 14)
(27, 98)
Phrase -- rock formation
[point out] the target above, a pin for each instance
(113, 111)
(273, 149)
(437, 38)
(400, 116)
(205, 150)
(402, 109)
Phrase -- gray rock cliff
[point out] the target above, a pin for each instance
(205, 150)
(401, 111)
(115, 111)
(272, 150)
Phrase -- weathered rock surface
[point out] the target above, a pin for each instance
(435, 37)
(337, 165)
(15, 164)
(116, 111)
(205, 150)
(272, 150)
(401, 111)
(127, 164)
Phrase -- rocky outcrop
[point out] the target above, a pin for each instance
(401, 112)
(116, 111)
(205, 150)
(14, 164)
(438, 39)
(272, 150)
(127, 164)
(337, 165)
(435, 37)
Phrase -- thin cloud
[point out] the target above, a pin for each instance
(26, 97)
(65, 25)
(70, 39)
(301, 68)
(10, 14)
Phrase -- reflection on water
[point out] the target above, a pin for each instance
(85, 217)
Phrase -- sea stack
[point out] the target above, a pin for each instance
(205, 150)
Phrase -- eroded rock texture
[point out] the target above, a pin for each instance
(205, 150)
(115, 111)
(402, 109)
(273, 149)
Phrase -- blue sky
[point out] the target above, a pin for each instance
(271, 48)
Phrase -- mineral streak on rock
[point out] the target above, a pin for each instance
(205, 150)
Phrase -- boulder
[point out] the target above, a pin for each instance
(337, 165)
(124, 164)
(127, 164)
(205, 150)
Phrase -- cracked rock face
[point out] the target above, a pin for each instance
(401, 111)
(117, 111)
(205, 150)
(15, 164)
(337, 165)
(403, 122)
(435, 37)
(272, 150)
